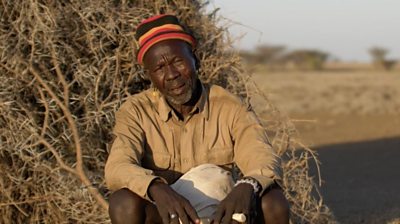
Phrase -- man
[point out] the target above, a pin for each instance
(182, 126)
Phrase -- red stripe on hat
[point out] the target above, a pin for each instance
(141, 42)
(167, 36)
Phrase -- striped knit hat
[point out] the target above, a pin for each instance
(159, 28)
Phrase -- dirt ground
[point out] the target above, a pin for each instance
(352, 119)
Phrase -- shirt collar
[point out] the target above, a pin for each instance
(202, 106)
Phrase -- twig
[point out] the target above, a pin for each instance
(31, 200)
(60, 76)
(78, 171)
(46, 113)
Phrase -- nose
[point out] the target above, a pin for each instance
(171, 73)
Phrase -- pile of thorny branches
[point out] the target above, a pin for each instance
(66, 67)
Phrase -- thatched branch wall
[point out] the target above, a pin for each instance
(66, 67)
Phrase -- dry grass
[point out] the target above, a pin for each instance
(361, 92)
(336, 105)
(66, 67)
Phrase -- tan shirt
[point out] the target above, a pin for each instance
(151, 142)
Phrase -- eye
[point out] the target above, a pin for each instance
(157, 68)
(178, 61)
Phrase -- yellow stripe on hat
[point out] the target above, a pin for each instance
(167, 36)
(155, 29)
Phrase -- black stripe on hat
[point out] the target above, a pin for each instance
(145, 27)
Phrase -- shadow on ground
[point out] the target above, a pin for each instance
(361, 181)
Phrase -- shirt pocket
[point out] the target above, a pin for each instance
(157, 161)
(220, 155)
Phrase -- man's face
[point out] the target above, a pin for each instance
(170, 64)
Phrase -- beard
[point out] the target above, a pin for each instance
(183, 98)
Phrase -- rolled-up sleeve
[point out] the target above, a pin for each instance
(123, 167)
(254, 154)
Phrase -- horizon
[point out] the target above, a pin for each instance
(346, 30)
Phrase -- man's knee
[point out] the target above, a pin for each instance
(275, 206)
(124, 205)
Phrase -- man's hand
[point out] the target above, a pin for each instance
(239, 200)
(170, 204)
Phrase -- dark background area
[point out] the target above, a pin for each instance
(361, 181)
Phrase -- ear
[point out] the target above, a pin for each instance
(144, 74)
(196, 60)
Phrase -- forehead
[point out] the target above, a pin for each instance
(168, 48)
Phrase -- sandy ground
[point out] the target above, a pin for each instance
(355, 92)
(352, 119)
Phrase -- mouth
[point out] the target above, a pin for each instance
(178, 89)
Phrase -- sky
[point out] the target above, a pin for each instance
(346, 29)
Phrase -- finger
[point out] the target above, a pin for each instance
(174, 217)
(164, 217)
(191, 212)
(227, 219)
(218, 215)
(182, 216)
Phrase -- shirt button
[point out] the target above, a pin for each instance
(185, 160)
